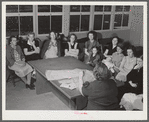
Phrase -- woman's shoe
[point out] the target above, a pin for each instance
(30, 87)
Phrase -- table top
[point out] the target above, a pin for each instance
(61, 63)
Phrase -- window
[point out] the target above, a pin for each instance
(102, 17)
(49, 18)
(19, 19)
(121, 19)
(79, 18)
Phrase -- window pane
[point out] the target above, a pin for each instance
(25, 8)
(106, 22)
(84, 22)
(12, 27)
(74, 8)
(126, 8)
(98, 8)
(26, 24)
(56, 8)
(74, 23)
(85, 8)
(117, 21)
(43, 8)
(107, 8)
(11, 8)
(119, 8)
(56, 23)
(98, 22)
(43, 24)
(125, 19)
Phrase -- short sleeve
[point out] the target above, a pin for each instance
(36, 43)
(25, 44)
(86, 44)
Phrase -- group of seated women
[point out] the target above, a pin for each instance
(103, 92)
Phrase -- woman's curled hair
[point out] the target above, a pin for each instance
(101, 72)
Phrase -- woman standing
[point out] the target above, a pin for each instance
(16, 62)
(102, 92)
(112, 47)
(50, 48)
(127, 64)
(72, 48)
(90, 44)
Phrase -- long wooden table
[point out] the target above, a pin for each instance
(72, 98)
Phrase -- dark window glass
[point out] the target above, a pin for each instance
(106, 22)
(25, 8)
(74, 23)
(85, 8)
(43, 24)
(117, 21)
(98, 22)
(26, 25)
(56, 8)
(98, 8)
(11, 8)
(125, 19)
(12, 27)
(84, 22)
(56, 23)
(43, 8)
(74, 8)
(118, 8)
(107, 8)
(126, 8)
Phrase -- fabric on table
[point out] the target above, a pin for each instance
(69, 78)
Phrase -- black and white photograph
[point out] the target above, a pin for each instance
(75, 60)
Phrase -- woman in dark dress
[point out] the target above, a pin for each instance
(112, 47)
(102, 92)
(134, 82)
(31, 48)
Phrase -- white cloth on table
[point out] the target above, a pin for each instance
(67, 78)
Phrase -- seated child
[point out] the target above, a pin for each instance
(94, 57)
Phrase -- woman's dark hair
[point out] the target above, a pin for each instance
(94, 34)
(72, 34)
(31, 33)
(115, 37)
(121, 45)
(10, 39)
(101, 72)
(133, 49)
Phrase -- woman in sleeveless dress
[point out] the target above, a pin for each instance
(72, 48)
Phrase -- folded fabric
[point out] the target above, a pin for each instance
(61, 74)
(64, 74)
(132, 101)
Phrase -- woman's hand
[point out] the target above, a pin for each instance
(133, 84)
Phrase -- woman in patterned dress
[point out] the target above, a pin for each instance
(16, 62)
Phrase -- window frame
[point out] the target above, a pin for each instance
(47, 14)
(20, 14)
